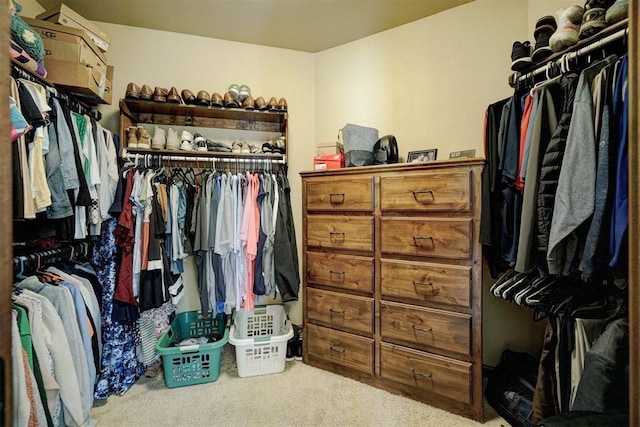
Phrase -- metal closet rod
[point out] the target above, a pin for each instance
(576, 54)
(142, 157)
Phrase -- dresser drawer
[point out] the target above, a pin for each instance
(340, 232)
(426, 329)
(426, 282)
(440, 238)
(352, 194)
(345, 312)
(427, 191)
(426, 373)
(344, 349)
(340, 271)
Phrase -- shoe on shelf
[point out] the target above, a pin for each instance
(204, 98)
(146, 92)
(234, 91)
(272, 105)
(173, 97)
(567, 32)
(521, 56)
(260, 103)
(144, 139)
(248, 103)
(545, 27)
(236, 147)
(593, 21)
(187, 141)
(267, 147)
(160, 94)
(244, 148)
(132, 137)
(243, 93)
(216, 100)
(173, 143)
(199, 142)
(230, 101)
(282, 104)
(617, 12)
(188, 97)
(159, 140)
(133, 91)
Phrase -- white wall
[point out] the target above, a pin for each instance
(427, 82)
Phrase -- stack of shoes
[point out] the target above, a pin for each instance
(545, 27)
(567, 32)
(617, 12)
(593, 20)
(294, 345)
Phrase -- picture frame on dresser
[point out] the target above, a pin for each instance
(422, 156)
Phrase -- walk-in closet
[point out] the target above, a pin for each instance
(295, 213)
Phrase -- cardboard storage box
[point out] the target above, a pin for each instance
(66, 16)
(326, 148)
(78, 78)
(69, 44)
(73, 61)
(331, 161)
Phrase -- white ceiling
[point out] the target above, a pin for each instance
(304, 25)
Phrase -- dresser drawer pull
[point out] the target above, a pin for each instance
(417, 374)
(337, 350)
(338, 312)
(418, 192)
(434, 291)
(333, 235)
(418, 239)
(339, 198)
(421, 329)
(337, 273)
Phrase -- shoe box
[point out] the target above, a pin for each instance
(66, 16)
(74, 62)
(329, 161)
(328, 148)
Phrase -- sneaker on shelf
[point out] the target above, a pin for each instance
(521, 55)
(617, 12)
(199, 142)
(173, 143)
(159, 140)
(236, 147)
(144, 139)
(187, 141)
(593, 21)
(132, 137)
(244, 148)
(566, 34)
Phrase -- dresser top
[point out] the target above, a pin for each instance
(397, 167)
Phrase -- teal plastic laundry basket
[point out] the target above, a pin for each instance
(192, 364)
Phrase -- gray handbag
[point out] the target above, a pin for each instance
(358, 144)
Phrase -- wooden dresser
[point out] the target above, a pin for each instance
(393, 277)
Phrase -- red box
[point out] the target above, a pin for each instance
(329, 161)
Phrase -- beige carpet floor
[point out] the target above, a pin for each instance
(301, 395)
